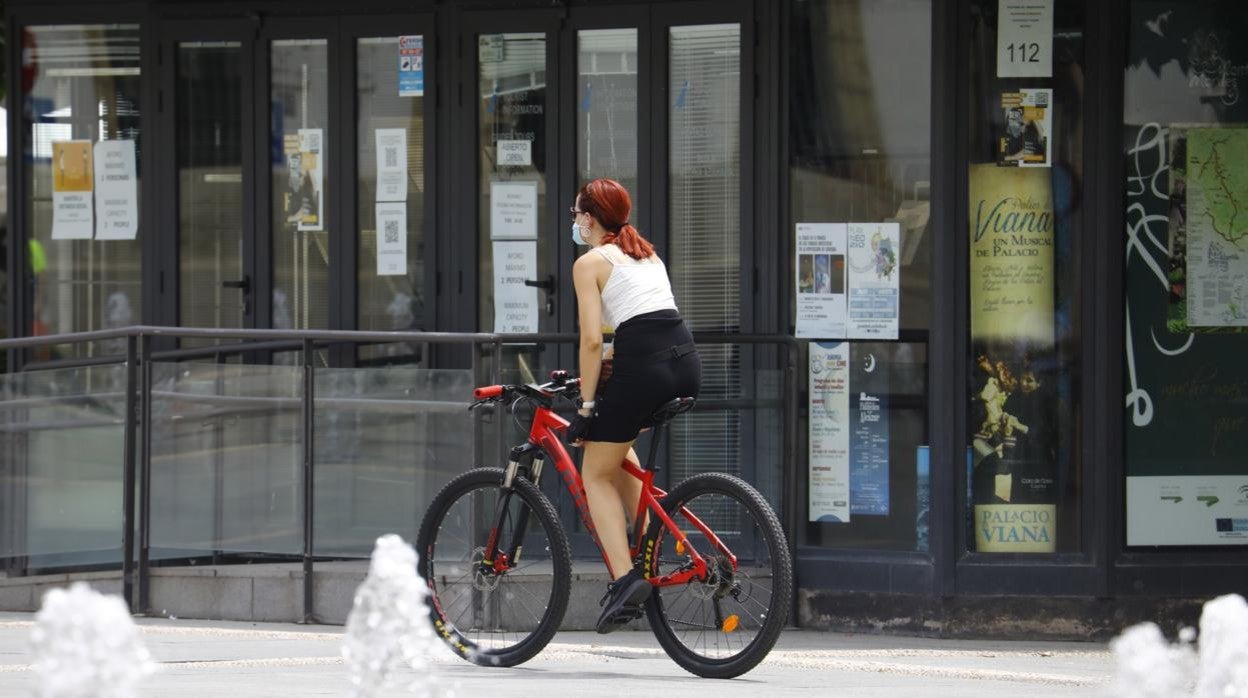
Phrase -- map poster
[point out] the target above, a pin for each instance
(821, 280)
(1185, 437)
(1013, 365)
(828, 475)
(868, 432)
(1217, 227)
(874, 305)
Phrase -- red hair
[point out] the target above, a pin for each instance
(608, 202)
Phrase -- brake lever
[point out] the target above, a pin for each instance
(479, 403)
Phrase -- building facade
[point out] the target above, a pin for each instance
(1008, 237)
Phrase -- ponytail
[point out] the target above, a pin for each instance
(631, 242)
(608, 201)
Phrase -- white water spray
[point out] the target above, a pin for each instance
(1150, 667)
(86, 645)
(389, 626)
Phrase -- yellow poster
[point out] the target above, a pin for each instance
(1015, 528)
(1012, 300)
(1011, 217)
(71, 162)
(73, 178)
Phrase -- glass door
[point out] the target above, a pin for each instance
(211, 138)
(516, 234)
(300, 161)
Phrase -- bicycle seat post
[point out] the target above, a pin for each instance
(656, 436)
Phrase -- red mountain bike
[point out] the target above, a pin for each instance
(499, 568)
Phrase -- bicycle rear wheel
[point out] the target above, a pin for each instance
(503, 611)
(724, 625)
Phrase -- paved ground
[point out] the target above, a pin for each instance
(203, 658)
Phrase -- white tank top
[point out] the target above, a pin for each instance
(635, 287)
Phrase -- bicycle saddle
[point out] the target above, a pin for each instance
(678, 406)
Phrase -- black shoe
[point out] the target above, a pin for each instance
(623, 601)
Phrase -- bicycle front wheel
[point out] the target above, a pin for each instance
(725, 624)
(499, 611)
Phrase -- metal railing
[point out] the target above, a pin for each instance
(139, 357)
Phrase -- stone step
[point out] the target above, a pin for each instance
(271, 592)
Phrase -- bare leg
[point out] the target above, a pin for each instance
(600, 470)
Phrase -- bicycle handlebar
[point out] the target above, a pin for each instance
(559, 385)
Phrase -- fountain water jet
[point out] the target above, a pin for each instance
(86, 645)
(389, 627)
(1150, 667)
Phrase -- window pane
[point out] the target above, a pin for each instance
(606, 115)
(210, 184)
(302, 166)
(860, 125)
(512, 189)
(704, 166)
(1186, 146)
(85, 89)
(1026, 144)
(391, 284)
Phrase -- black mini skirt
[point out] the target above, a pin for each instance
(654, 363)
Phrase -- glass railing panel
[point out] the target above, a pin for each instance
(227, 460)
(387, 439)
(61, 468)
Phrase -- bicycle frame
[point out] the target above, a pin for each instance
(544, 436)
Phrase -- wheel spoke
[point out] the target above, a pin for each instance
(497, 615)
(699, 640)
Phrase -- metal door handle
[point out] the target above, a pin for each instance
(547, 284)
(243, 284)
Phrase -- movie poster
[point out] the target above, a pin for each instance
(1012, 417)
(1028, 137)
(305, 179)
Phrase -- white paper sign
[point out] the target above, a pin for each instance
(391, 164)
(829, 432)
(515, 305)
(72, 197)
(515, 153)
(874, 280)
(1025, 39)
(821, 280)
(116, 191)
(513, 211)
(391, 238)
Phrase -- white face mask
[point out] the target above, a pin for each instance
(576, 234)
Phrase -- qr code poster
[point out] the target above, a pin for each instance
(391, 164)
(391, 239)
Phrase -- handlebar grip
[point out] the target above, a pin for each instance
(487, 392)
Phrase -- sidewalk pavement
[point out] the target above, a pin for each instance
(218, 658)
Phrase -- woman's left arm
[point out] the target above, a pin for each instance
(589, 311)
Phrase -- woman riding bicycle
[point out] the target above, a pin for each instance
(623, 283)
